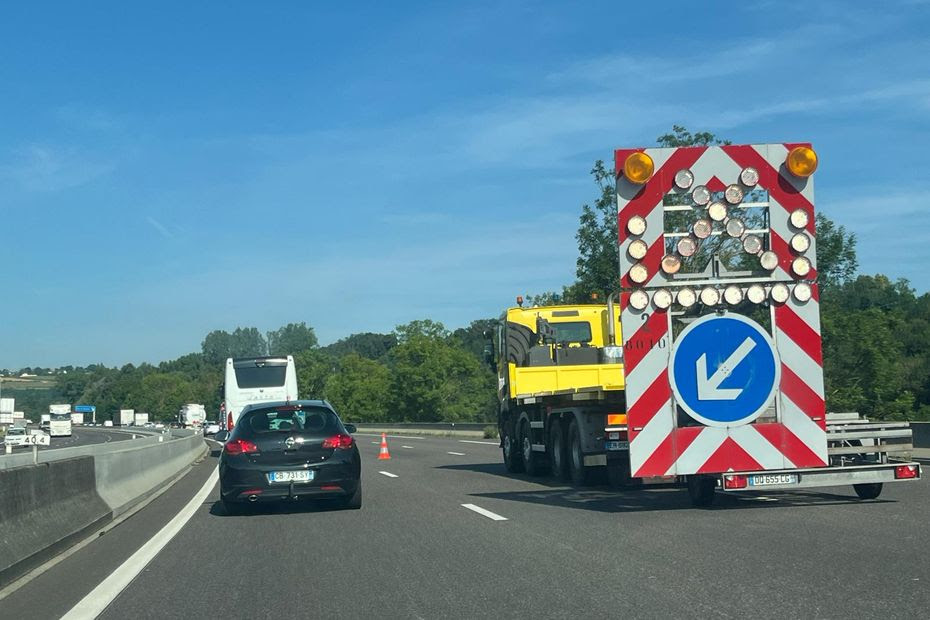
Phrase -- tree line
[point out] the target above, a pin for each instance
(876, 332)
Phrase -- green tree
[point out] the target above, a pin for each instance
(217, 346)
(370, 345)
(836, 253)
(359, 389)
(314, 368)
(291, 339)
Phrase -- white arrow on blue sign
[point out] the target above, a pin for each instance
(724, 370)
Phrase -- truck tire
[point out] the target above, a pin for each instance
(869, 490)
(577, 471)
(513, 461)
(701, 490)
(532, 461)
(559, 455)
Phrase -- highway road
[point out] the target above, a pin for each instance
(81, 436)
(522, 547)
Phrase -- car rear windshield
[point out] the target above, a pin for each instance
(293, 419)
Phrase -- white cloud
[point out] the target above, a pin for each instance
(44, 168)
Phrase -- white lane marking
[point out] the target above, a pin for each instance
(408, 447)
(100, 597)
(388, 474)
(484, 443)
(376, 442)
(456, 453)
(486, 513)
(388, 436)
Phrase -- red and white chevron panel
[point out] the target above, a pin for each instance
(658, 446)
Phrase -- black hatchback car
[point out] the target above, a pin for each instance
(297, 450)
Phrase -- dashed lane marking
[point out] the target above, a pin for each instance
(485, 513)
(388, 474)
(484, 443)
(456, 453)
(408, 447)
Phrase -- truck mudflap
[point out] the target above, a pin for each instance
(789, 479)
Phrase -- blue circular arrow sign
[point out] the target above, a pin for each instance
(724, 370)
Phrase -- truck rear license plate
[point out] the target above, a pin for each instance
(618, 445)
(761, 480)
(290, 476)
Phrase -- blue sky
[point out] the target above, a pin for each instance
(170, 169)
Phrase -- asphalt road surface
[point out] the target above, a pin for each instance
(523, 547)
(80, 436)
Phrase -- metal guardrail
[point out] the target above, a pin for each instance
(427, 426)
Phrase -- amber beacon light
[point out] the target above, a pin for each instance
(801, 161)
(638, 168)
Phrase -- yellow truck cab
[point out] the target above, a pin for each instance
(560, 388)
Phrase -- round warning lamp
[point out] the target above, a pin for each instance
(636, 225)
(801, 266)
(733, 194)
(687, 246)
(638, 168)
(683, 179)
(801, 161)
(756, 293)
(749, 177)
(800, 243)
(662, 298)
(802, 292)
(768, 260)
(686, 297)
(799, 218)
(717, 211)
(700, 195)
(752, 244)
(671, 264)
(639, 273)
(639, 299)
(779, 293)
(733, 294)
(702, 228)
(638, 249)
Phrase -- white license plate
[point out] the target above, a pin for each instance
(290, 476)
(618, 445)
(761, 480)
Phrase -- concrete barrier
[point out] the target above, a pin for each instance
(45, 508)
(124, 477)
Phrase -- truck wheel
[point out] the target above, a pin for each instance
(512, 459)
(869, 490)
(559, 454)
(577, 471)
(701, 490)
(532, 461)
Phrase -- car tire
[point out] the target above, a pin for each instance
(354, 501)
(577, 471)
(869, 490)
(559, 453)
(232, 508)
(532, 461)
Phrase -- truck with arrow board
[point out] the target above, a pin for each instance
(706, 367)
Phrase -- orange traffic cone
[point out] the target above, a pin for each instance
(384, 455)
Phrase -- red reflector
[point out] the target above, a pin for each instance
(330, 487)
(252, 492)
(906, 471)
(339, 442)
(240, 446)
(229, 422)
(734, 481)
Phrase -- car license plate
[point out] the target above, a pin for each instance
(618, 445)
(761, 480)
(291, 476)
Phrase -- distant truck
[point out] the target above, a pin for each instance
(192, 415)
(141, 419)
(77, 417)
(44, 420)
(127, 417)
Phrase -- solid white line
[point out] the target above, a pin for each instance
(376, 442)
(388, 436)
(485, 513)
(484, 443)
(388, 474)
(100, 597)
(408, 447)
(456, 453)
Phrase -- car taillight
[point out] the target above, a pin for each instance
(734, 481)
(906, 471)
(229, 422)
(240, 446)
(339, 442)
